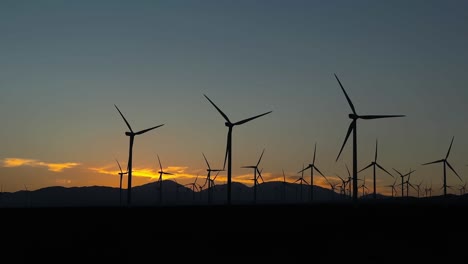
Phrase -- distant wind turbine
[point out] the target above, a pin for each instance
(132, 135)
(352, 127)
(160, 180)
(301, 180)
(255, 178)
(402, 180)
(375, 164)
(208, 180)
(121, 174)
(228, 155)
(446, 163)
(394, 190)
(312, 166)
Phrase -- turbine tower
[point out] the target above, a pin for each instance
(352, 128)
(228, 155)
(132, 135)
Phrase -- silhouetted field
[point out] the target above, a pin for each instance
(378, 228)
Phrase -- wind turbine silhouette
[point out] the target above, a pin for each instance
(393, 187)
(132, 135)
(375, 164)
(312, 167)
(402, 180)
(228, 155)
(343, 185)
(446, 163)
(209, 180)
(160, 179)
(352, 127)
(194, 187)
(255, 178)
(121, 174)
(364, 187)
(301, 180)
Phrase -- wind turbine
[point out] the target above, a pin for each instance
(364, 187)
(209, 180)
(375, 164)
(160, 180)
(446, 163)
(418, 187)
(312, 167)
(132, 135)
(121, 174)
(349, 180)
(255, 178)
(393, 187)
(194, 186)
(343, 185)
(403, 182)
(301, 180)
(353, 127)
(228, 155)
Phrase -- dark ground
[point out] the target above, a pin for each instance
(396, 231)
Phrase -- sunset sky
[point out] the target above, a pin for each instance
(64, 64)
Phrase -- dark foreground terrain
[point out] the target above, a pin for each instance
(325, 232)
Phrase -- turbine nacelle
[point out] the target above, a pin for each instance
(228, 124)
(128, 133)
(353, 116)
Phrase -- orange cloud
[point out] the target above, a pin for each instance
(55, 167)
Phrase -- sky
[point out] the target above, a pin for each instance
(64, 64)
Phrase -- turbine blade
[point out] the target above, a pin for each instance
(260, 175)
(347, 97)
(215, 176)
(315, 149)
(228, 147)
(168, 173)
(219, 110)
(378, 165)
(437, 161)
(303, 169)
(340, 177)
(370, 165)
(398, 172)
(318, 170)
(119, 165)
(304, 180)
(284, 176)
(375, 158)
(379, 116)
(448, 152)
(450, 166)
(349, 173)
(260, 157)
(207, 164)
(146, 130)
(126, 122)
(160, 166)
(251, 118)
(350, 128)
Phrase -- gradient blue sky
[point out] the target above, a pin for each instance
(64, 64)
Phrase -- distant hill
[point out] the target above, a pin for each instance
(274, 192)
